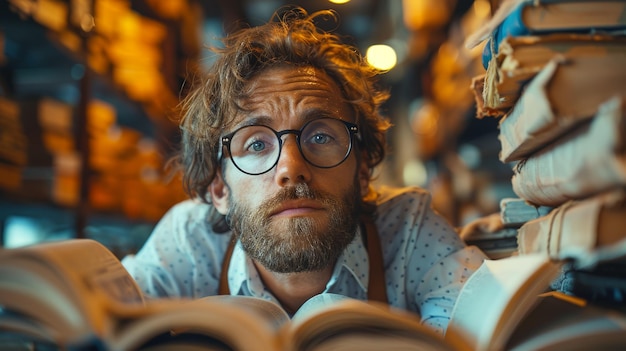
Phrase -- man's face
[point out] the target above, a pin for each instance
(296, 217)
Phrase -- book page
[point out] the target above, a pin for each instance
(558, 324)
(67, 286)
(216, 322)
(273, 315)
(334, 322)
(497, 296)
(95, 266)
(36, 303)
(23, 326)
(316, 303)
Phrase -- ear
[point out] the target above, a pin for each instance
(364, 177)
(219, 194)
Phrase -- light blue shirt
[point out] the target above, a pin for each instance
(426, 263)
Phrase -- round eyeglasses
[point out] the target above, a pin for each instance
(324, 143)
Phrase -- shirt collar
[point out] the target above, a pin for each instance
(353, 260)
(243, 277)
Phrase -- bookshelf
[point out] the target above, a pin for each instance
(87, 121)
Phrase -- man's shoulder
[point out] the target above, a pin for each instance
(188, 221)
(189, 206)
(387, 194)
(187, 212)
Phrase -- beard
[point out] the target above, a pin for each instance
(298, 244)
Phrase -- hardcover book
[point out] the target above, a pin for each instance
(561, 97)
(531, 17)
(586, 161)
(586, 232)
(521, 58)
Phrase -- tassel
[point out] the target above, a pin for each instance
(491, 98)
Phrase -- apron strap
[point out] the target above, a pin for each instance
(223, 287)
(376, 290)
(376, 287)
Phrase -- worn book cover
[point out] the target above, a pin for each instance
(529, 17)
(563, 95)
(586, 231)
(584, 162)
(521, 58)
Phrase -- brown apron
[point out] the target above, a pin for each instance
(376, 286)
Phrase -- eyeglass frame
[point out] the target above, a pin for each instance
(352, 128)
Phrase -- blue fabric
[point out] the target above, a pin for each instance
(426, 262)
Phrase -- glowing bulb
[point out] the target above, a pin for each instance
(381, 56)
(339, 1)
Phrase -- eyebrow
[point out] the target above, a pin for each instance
(308, 115)
(255, 120)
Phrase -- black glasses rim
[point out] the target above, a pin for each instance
(352, 129)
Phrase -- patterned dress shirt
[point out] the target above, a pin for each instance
(425, 261)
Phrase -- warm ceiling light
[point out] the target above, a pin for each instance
(381, 56)
(339, 1)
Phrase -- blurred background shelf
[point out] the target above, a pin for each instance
(89, 89)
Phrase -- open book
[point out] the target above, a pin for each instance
(561, 322)
(497, 297)
(75, 294)
(507, 305)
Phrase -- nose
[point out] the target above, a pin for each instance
(291, 168)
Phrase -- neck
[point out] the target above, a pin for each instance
(293, 289)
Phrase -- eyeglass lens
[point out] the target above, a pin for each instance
(324, 143)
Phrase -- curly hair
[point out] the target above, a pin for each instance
(290, 38)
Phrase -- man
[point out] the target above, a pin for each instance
(279, 141)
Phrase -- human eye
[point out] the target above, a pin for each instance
(321, 138)
(253, 141)
(255, 145)
(322, 132)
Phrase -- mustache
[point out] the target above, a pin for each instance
(296, 192)
(299, 191)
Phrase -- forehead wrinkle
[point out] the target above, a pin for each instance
(272, 85)
(292, 91)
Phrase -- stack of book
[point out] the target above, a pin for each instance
(524, 35)
(13, 145)
(496, 235)
(127, 170)
(40, 161)
(38, 158)
(556, 78)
